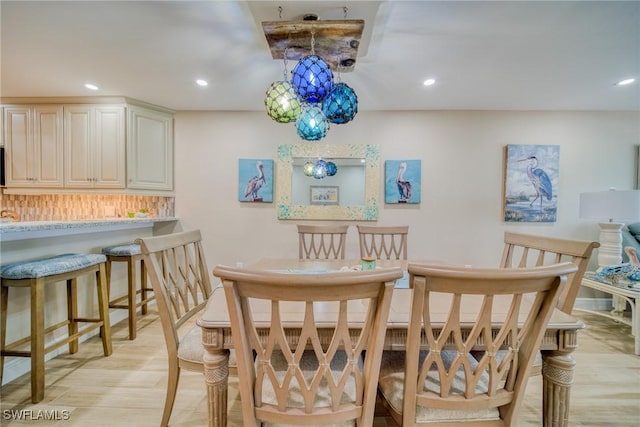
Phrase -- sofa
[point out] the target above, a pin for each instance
(631, 237)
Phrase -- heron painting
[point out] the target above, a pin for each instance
(402, 181)
(531, 187)
(255, 181)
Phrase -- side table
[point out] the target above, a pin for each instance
(625, 291)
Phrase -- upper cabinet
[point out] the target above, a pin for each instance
(150, 149)
(71, 144)
(94, 146)
(33, 143)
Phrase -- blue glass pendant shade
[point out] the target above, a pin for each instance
(341, 105)
(282, 102)
(320, 169)
(312, 125)
(312, 78)
(332, 169)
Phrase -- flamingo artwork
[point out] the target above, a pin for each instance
(255, 184)
(404, 187)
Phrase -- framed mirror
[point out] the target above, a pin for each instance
(351, 194)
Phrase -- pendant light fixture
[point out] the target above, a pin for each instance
(310, 98)
(341, 105)
(312, 77)
(312, 125)
(281, 101)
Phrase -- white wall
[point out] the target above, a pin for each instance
(460, 217)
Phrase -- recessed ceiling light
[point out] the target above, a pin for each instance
(91, 86)
(625, 82)
(429, 82)
(202, 83)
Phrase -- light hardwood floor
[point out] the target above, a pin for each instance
(127, 388)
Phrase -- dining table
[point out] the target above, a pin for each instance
(559, 341)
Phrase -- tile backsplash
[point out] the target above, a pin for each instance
(61, 207)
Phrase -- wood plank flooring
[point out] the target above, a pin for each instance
(128, 388)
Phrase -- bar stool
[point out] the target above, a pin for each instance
(36, 275)
(131, 254)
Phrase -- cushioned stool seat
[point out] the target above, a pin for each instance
(36, 275)
(131, 254)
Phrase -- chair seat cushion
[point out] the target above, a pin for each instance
(191, 348)
(391, 386)
(59, 264)
(122, 250)
(309, 364)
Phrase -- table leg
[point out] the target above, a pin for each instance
(619, 305)
(216, 374)
(635, 324)
(557, 372)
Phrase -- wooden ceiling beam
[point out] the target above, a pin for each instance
(336, 42)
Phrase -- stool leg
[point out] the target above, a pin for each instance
(143, 285)
(103, 309)
(37, 340)
(72, 313)
(108, 274)
(131, 297)
(3, 325)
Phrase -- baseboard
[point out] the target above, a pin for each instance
(593, 304)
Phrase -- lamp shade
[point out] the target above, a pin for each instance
(312, 79)
(308, 168)
(312, 125)
(332, 169)
(341, 105)
(611, 205)
(282, 103)
(320, 169)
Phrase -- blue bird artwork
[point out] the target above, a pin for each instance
(255, 184)
(539, 179)
(531, 183)
(255, 180)
(404, 186)
(402, 181)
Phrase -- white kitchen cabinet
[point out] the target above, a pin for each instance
(94, 146)
(149, 149)
(34, 145)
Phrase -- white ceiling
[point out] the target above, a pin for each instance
(537, 55)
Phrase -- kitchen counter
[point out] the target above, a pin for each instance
(10, 231)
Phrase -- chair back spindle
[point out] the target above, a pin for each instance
(441, 381)
(526, 250)
(383, 242)
(323, 378)
(177, 268)
(322, 241)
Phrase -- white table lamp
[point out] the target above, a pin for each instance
(613, 206)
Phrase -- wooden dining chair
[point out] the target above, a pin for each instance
(178, 272)
(322, 241)
(527, 250)
(383, 242)
(439, 382)
(322, 378)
